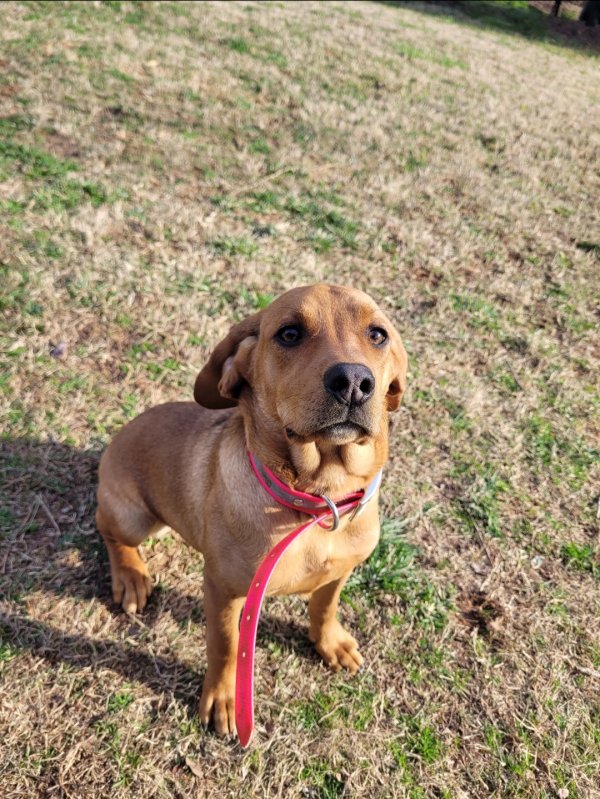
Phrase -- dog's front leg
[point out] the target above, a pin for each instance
(218, 692)
(335, 645)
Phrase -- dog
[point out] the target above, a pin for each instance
(305, 385)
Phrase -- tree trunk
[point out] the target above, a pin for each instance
(590, 13)
(556, 7)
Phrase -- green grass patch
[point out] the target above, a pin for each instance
(34, 163)
(256, 299)
(7, 651)
(479, 313)
(322, 781)
(120, 700)
(116, 73)
(271, 56)
(259, 146)
(138, 15)
(391, 565)
(411, 52)
(68, 194)
(478, 508)
(15, 123)
(16, 284)
(348, 705)
(417, 743)
(423, 741)
(42, 243)
(506, 381)
(581, 557)
(560, 456)
(233, 245)
(392, 569)
(327, 226)
(55, 190)
(262, 202)
(126, 760)
(238, 45)
(458, 414)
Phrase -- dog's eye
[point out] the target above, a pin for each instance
(378, 336)
(289, 335)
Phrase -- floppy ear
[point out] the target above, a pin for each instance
(397, 384)
(220, 382)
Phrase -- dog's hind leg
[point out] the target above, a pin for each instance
(122, 532)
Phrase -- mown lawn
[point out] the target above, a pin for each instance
(168, 168)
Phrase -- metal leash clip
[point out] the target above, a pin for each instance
(370, 490)
(334, 512)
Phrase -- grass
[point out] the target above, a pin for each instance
(411, 52)
(168, 168)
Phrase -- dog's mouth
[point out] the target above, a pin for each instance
(340, 433)
(335, 424)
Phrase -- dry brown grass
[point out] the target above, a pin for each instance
(167, 168)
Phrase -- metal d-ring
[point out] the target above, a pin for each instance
(334, 512)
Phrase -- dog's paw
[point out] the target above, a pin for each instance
(337, 647)
(217, 703)
(131, 587)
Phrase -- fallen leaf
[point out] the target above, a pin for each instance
(59, 350)
(194, 767)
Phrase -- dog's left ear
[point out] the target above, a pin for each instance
(221, 381)
(397, 385)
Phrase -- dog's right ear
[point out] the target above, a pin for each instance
(220, 382)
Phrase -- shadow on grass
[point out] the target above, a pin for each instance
(49, 544)
(159, 672)
(516, 17)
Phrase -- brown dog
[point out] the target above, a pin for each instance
(305, 385)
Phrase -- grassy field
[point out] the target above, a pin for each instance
(168, 168)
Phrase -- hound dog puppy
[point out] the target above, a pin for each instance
(305, 386)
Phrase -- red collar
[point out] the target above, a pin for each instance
(311, 503)
(321, 509)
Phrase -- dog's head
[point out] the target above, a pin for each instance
(321, 362)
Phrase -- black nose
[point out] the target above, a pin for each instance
(350, 383)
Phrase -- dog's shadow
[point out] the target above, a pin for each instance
(49, 546)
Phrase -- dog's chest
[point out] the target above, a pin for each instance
(319, 557)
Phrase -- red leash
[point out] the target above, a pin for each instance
(307, 503)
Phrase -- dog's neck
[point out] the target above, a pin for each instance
(316, 466)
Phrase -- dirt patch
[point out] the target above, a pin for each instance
(481, 613)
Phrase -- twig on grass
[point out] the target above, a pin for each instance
(260, 181)
(48, 513)
(588, 672)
